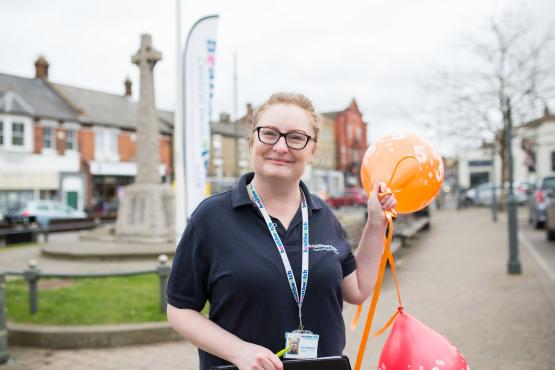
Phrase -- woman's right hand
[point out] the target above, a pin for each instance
(254, 357)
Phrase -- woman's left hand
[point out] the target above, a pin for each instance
(377, 205)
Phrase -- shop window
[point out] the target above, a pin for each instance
(12, 200)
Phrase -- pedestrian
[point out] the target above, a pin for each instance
(246, 251)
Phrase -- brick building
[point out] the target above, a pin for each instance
(67, 143)
(78, 145)
(350, 142)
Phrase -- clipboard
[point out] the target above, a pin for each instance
(327, 363)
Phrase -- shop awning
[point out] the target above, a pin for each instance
(98, 168)
(29, 180)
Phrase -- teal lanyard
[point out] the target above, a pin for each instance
(281, 249)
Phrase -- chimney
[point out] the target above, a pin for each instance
(225, 117)
(41, 68)
(128, 91)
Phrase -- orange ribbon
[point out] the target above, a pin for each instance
(387, 256)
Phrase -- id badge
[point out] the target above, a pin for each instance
(303, 344)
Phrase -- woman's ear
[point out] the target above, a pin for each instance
(312, 154)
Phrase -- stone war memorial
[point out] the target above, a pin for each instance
(146, 212)
(145, 221)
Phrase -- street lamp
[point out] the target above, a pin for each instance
(514, 266)
(493, 181)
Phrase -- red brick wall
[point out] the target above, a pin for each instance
(350, 148)
(127, 147)
(166, 152)
(86, 144)
(60, 142)
(37, 131)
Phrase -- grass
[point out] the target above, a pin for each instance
(16, 245)
(87, 301)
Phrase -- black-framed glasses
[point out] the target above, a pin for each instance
(294, 140)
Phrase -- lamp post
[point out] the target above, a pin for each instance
(493, 181)
(514, 266)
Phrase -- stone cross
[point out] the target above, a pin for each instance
(148, 145)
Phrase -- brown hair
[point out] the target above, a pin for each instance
(296, 99)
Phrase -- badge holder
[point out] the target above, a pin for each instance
(302, 344)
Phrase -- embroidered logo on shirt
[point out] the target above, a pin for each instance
(323, 248)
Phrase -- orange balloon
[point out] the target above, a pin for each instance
(409, 166)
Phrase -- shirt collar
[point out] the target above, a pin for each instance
(240, 196)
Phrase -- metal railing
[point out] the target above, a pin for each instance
(33, 274)
(33, 229)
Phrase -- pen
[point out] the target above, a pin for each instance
(283, 351)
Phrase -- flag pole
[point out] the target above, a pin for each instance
(178, 142)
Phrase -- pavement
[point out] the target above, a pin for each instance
(17, 259)
(452, 277)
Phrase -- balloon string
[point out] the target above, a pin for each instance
(389, 322)
(368, 324)
(395, 171)
(387, 256)
(387, 252)
(390, 258)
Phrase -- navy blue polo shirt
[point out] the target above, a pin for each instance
(227, 256)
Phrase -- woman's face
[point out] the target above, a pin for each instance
(278, 161)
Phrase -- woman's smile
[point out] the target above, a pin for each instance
(279, 161)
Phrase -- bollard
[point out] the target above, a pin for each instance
(3, 328)
(44, 234)
(32, 275)
(163, 271)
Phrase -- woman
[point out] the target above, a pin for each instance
(243, 250)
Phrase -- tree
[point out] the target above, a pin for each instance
(512, 59)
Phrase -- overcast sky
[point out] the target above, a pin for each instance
(333, 51)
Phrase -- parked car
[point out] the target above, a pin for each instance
(550, 214)
(481, 195)
(44, 211)
(350, 197)
(538, 199)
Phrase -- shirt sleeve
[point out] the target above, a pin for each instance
(188, 280)
(348, 262)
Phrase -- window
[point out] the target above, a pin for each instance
(106, 145)
(217, 145)
(71, 140)
(112, 144)
(552, 161)
(479, 163)
(18, 134)
(15, 133)
(48, 138)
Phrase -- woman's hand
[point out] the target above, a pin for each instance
(254, 357)
(377, 205)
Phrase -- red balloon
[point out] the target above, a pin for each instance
(414, 346)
